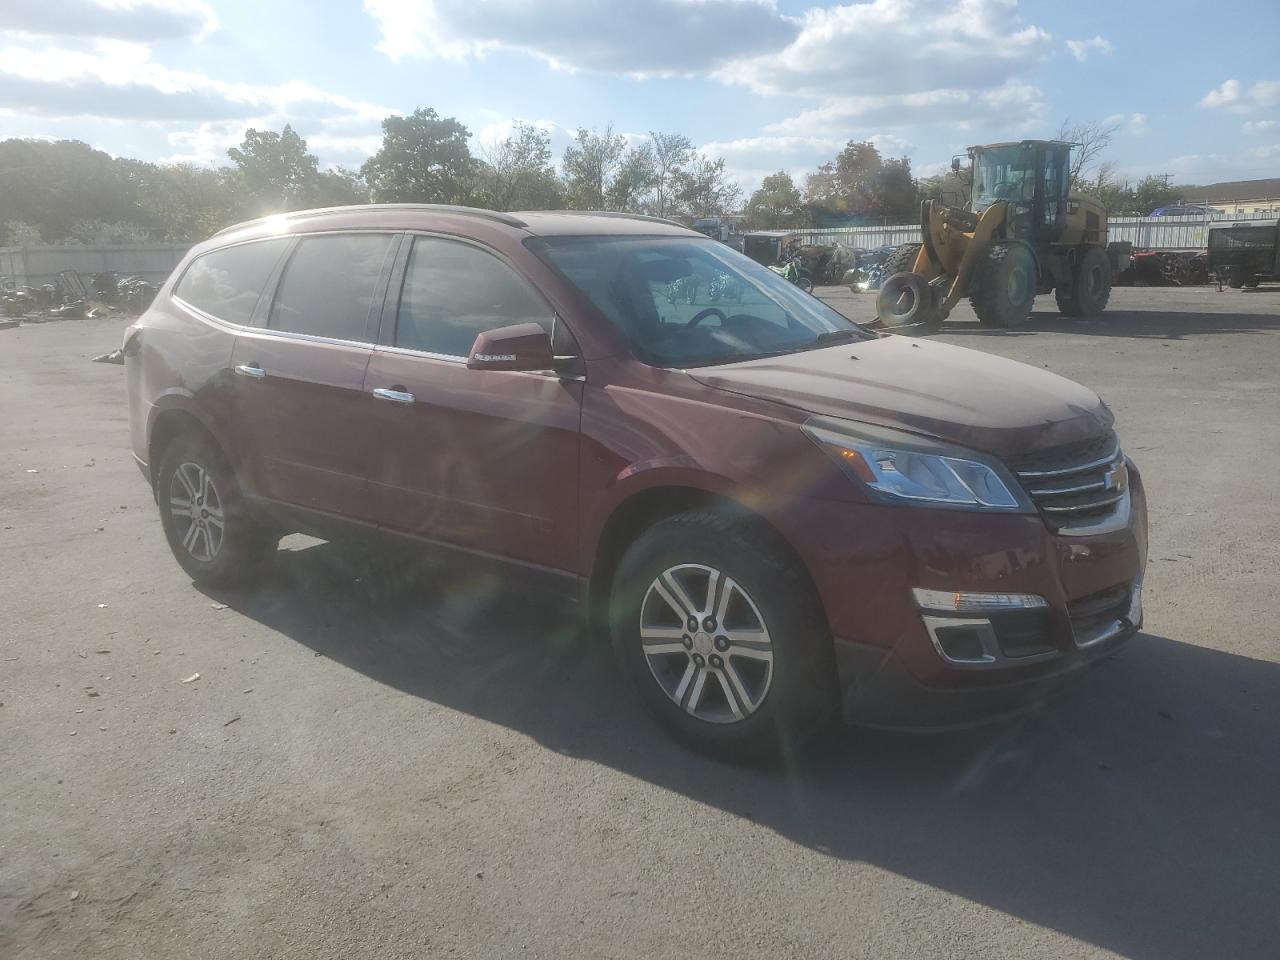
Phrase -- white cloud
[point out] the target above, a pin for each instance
(135, 20)
(1236, 97)
(1081, 49)
(1133, 124)
(1258, 126)
(890, 47)
(1013, 105)
(639, 36)
(119, 81)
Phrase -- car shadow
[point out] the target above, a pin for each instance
(1132, 324)
(1138, 811)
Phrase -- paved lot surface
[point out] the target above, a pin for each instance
(452, 771)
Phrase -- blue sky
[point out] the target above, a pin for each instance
(767, 85)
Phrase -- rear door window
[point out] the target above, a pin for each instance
(332, 287)
(227, 283)
(454, 291)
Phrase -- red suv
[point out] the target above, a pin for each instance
(778, 514)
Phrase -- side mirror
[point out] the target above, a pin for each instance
(522, 346)
(955, 165)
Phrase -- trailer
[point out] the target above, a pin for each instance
(1245, 254)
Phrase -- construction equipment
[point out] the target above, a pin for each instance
(1245, 254)
(1023, 233)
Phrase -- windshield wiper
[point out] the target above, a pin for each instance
(836, 336)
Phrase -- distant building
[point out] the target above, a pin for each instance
(1237, 198)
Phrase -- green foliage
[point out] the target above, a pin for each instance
(860, 183)
(51, 186)
(276, 171)
(424, 158)
(590, 166)
(518, 174)
(777, 204)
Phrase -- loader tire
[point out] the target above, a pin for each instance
(1005, 286)
(1087, 292)
(902, 260)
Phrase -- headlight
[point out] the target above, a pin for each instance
(903, 468)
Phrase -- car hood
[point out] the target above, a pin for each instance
(961, 396)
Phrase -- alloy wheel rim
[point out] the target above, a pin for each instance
(196, 508)
(706, 643)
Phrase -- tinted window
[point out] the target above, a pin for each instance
(331, 285)
(227, 283)
(453, 291)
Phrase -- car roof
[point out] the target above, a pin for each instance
(455, 219)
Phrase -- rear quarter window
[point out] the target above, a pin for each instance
(227, 283)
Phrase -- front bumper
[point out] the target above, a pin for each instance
(892, 657)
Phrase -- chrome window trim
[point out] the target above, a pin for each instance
(424, 354)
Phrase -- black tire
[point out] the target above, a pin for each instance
(1005, 286)
(905, 302)
(805, 284)
(244, 546)
(1239, 277)
(798, 697)
(902, 260)
(1087, 292)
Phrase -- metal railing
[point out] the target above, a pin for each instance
(1145, 233)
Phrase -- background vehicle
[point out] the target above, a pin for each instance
(1245, 254)
(1021, 234)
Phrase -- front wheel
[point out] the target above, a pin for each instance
(1005, 286)
(210, 529)
(722, 637)
(804, 283)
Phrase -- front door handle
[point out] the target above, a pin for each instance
(395, 396)
(251, 370)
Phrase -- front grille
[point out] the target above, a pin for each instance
(1079, 485)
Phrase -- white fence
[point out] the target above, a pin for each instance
(1145, 233)
(33, 266)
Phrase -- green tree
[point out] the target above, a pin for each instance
(590, 165)
(633, 180)
(517, 174)
(861, 183)
(276, 171)
(777, 203)
(703, 189)
(339, 187)
(188, 203)
(53, 185)
(424, 158)
(1152, 193)
(671, 153)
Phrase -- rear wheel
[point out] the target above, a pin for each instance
(205, 519)
(1005, 286)
(804, 283)
(1087, 291)
(722, 637)
(1240, 277)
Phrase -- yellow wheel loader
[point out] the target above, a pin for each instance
(1022, 234)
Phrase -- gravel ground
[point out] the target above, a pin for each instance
(450, 770)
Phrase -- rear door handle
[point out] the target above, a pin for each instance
(395, 396)
(251, 370)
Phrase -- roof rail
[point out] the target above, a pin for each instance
(617, 215)
(506, 218)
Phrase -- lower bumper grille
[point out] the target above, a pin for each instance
(1103, 614)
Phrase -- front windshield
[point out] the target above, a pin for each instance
(1003, 173)
(688, 303)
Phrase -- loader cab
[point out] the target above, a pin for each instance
(1033, 177)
